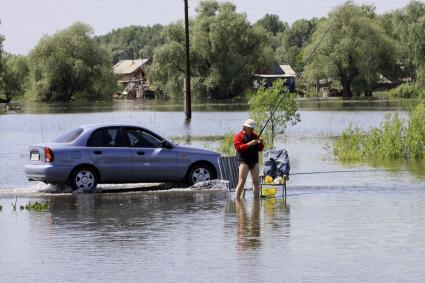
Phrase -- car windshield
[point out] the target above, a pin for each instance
(69, 135)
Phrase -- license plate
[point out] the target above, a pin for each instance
(35, 156)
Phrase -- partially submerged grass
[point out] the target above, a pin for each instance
(37, 206)
(198, 138)
(408, 90)
(395, 138)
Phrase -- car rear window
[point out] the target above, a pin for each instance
(69, 135)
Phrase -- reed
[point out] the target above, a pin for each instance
(226, 145)
(408, 90)
(395, 138)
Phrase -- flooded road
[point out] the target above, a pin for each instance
(319, 234)
(364, 224)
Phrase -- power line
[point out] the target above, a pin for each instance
(81, 9)
(132, 12)
(123, 2)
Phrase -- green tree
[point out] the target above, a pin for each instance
(406, 27)
(14, 75)
(228, 50)
(167, 71)
(70, 65)
(132, 42)
(225, 51)
(1, 63)
(264, 102)
(272, 24)
(354, 51)
(293, 40)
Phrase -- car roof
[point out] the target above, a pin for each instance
(100, 125)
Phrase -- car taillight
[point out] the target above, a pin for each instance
(48, 154)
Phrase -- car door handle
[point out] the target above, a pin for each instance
(140, 153)
(97, 152)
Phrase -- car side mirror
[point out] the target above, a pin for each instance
(166, 144)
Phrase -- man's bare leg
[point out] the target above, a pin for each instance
(243, 173)
(255, 175)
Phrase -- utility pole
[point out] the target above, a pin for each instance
(187, 98)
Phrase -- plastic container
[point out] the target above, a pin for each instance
(268, 191)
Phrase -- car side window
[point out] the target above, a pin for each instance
(106, 137)
(139, 138)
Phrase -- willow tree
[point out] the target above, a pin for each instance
(293, 40)
(225, 51)
(14, 75)
(70, 65)
(406, 26)
(228, 50)
(1, 64)
(354, 51)
(167, 70)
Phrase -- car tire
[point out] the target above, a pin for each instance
(200, 173)
(84, 178)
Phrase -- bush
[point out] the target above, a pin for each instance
(415, 133)
(394, 138)
(349, 144)
(407, 91)
(226, 146)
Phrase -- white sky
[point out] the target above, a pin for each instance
(24, 22)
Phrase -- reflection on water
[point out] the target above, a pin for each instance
(329, 234)
(249, 235)
(255, 219)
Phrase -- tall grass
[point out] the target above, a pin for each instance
(395, 138)
(226, 145)
(408, 90)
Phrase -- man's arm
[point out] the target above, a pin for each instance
(238, 143)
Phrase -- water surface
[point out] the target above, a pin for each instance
(364, 222)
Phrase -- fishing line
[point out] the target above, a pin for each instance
(346, 171)
(294, 80)
(41, 129)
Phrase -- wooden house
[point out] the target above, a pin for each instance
(284, 72)
(131, 76)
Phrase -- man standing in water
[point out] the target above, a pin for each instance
(247, 145)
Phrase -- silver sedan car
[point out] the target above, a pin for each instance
(103, 153)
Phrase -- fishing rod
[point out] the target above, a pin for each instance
(293, 81)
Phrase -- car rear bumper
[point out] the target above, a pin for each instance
(47, 173)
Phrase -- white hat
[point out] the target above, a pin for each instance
(249, 123)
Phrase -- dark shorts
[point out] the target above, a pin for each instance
(250, 165)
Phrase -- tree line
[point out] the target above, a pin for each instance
(360, 48)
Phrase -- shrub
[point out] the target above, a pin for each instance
(407, 91)
(394, 138)
(349, 144)
(226, 145)
(415, 133)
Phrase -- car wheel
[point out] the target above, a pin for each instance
(84, 179)
(200, 173)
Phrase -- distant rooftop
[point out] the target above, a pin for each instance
(129, 66)
(281, 71)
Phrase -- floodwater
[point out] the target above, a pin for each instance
(347, 223)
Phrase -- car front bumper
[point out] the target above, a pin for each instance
(47, 173)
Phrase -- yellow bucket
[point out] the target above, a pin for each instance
(268, 191)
